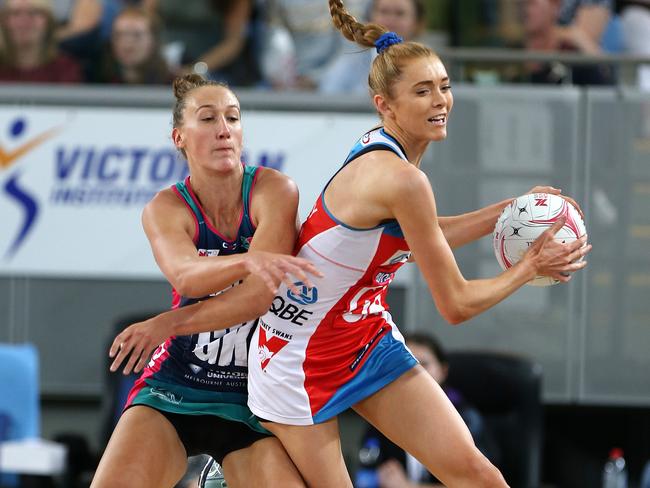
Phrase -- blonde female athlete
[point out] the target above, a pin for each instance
(332, 346)
(191, 398)
(377, 210)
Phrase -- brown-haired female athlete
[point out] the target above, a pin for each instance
(225, 223)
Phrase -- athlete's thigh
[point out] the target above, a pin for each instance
(144, 452)
(415, 414)
(264, 464)
(316, 452)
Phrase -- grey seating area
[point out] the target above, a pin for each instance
(506, 390)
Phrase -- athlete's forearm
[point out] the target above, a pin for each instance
(204, 275)
(242, 303)
(463, 229)
(476, 296)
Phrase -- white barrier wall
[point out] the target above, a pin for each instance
(73, 181)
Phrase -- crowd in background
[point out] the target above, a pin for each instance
(291, 44)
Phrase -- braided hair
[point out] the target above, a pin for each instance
(393, 55)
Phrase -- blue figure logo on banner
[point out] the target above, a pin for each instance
(12, 186)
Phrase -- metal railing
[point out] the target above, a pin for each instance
(458, 59)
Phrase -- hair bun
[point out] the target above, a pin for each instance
(185, 83)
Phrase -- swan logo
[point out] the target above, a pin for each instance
(268, 346)
(12, 186)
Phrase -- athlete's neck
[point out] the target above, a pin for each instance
(413, 148)
(220, 196)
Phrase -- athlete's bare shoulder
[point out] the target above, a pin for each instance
(165, 200)
(166, 208)
(385, 172)
(269, 179)
(274, 193)
(384, 160)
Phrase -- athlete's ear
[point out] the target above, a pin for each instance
(382, 106)
(177, 137)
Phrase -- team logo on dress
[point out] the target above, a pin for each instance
(196, 369)
(166, 396)
(399, 257)
(307, 295)
(245, 241)
(382, 278)
(268, 346)
(209, 252)
(366, 138)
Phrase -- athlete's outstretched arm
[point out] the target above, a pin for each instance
(469, 227)
(275, 206)
(170, 228)
(456, 298)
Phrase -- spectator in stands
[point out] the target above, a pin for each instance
(31, 53)
(635, 18)
(76, 17)
(542, 33)
(214, 37)
(581, 23)
(384, 464)
(78, 30)
(110, 10)
(349, 72)
(315, 42)
(134, 56)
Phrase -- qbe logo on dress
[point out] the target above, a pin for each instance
(307, 295)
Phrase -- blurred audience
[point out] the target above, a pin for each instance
(78, 30)
(635, 20)
(383, 464)
(348, 73)
(302, 30)
(76, 17)
(212, 37)
(484, 23)
(110, 10)
(31, 53)
(542, 33)
(291, 44)
(134, 56)
(582, 23)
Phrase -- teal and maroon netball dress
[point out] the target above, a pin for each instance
(206, 373)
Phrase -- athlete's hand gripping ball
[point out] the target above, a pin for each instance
(556, 191)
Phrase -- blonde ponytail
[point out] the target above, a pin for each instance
(387, 67)
(363, 34)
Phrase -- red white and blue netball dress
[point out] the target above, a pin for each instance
(317, 353)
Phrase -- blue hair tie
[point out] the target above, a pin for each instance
(386, 40)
